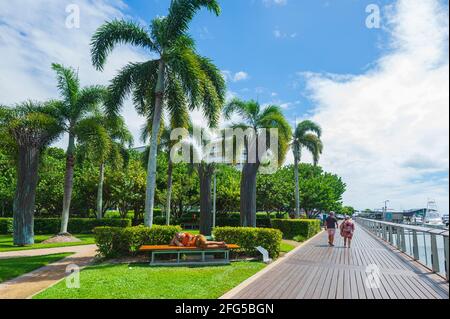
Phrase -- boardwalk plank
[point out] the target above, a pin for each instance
(316, 271)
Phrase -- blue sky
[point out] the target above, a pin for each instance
(380, 95)
(272, 43)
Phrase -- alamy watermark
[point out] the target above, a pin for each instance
(73, 276)
(73, 16)
(373, 277)
(228, 146)
(373, 20)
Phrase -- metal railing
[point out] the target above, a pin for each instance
(428, 246)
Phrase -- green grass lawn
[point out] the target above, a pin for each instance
(14, 267)
(140, 281)
(286, 247)
(6, 242)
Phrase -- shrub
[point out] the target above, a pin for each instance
(234, 220)
(6, 226)
(43, 226)
(291, 228)
(250, 238)
(116, 242)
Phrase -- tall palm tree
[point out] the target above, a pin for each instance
(256, 119)
(105, 142)
(26, 130)
(175, 77)
(179, 119)
(204, 163)
(307, 135)
(77, 108)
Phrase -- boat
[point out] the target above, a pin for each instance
(432, 217)
(445, 220)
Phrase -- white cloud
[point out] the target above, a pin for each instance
(33, 35)
(277, 33)
(386, 132)
(235, 77)
(240, 76)
(269, 3)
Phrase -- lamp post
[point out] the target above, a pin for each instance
(385, 209)
(214, 199)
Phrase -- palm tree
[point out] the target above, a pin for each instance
(307, 135)
(104, 142)
(256, 119)
(77, 108)
(204, 164)
(26, 130)
(179, 119)
(177, 78)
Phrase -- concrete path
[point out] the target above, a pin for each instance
(28, 285)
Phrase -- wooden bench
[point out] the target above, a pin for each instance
(188, 251)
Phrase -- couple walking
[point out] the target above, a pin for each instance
(347, 228)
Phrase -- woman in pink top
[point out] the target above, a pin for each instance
(347, 230)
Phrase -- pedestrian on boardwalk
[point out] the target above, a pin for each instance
(331, 224)
(347, 231)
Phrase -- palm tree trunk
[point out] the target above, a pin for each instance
(248, 195)
(151, 170)
(169, 191)
(24, 200)
(297, 188)
(205, 177)
(68, 184)
(100, 192)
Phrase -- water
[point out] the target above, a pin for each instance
(424, 243)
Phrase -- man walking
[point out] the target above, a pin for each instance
(331, 224)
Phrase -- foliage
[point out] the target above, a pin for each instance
(114, 241)
(6, 226)
(44, 226)
(248, 238)
(291, 228)
(125, 188)
(346, 210)
(7, 183)
(50, 188)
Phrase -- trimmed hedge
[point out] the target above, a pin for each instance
(302, 228)
(47, 226)
(249, 238)
(117, 242)
(6, 226)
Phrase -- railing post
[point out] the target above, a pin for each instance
(415, 246)
(402, 240)
(398, 237)
(391, 234)
(446, 256)
(434, 254)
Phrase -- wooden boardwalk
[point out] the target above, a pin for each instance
(316, 271)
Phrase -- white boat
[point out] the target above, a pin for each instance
(445, 220)
(432, 216)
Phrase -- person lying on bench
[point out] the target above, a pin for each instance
(199, 241)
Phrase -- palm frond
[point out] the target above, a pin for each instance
(181, 12)
(133, 76)
(68, 83)
(239, 107)
(307, 126)
(117, 32)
